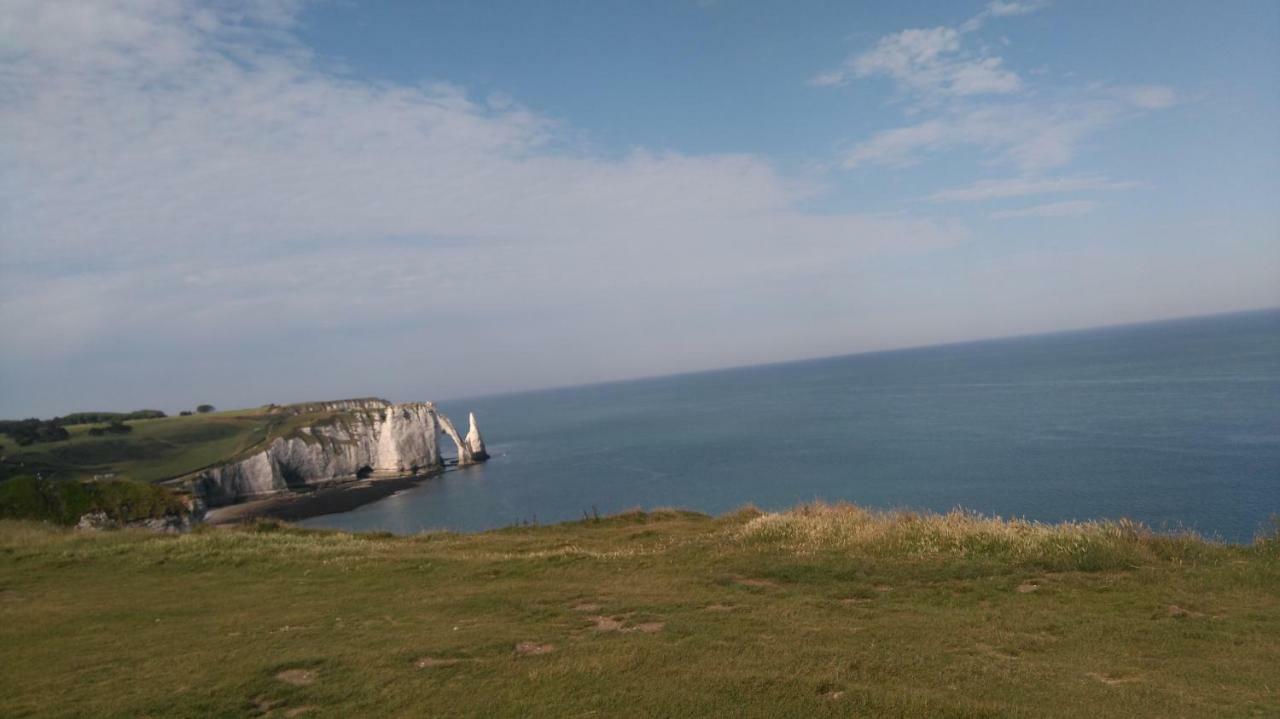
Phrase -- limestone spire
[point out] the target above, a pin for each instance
(475, 442)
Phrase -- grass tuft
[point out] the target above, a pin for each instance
(1085, 546)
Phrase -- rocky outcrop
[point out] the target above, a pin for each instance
(350, 439)
(338, 405)
(169, 523)
(474, 441)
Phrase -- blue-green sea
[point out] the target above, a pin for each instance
(1175, 424)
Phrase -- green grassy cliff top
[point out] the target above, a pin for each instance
(824, 611)
(161, 449)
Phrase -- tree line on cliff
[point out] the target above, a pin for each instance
(34, 430)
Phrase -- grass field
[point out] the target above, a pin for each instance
(825, 611)
(156, 449)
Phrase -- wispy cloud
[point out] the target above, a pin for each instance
(1052, 209)
(186, 171)
(1025, 186)
(999, 8)
(1032, 136)
(927, 62)
(933, 61)
(1002, 8)
(972, 99)
(1149, 97)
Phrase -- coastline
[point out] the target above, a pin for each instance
(333, 499)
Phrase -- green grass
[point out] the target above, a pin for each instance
(156, 449)
(826, 611)
(66, 502)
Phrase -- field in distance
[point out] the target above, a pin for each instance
(155, 449)
(824, 611)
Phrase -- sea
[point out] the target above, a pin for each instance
(1175, 424)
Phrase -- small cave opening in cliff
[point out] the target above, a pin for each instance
(293, 477)
(364, 472)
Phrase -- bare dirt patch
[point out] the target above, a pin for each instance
(606, 624)
(586, 607)
(747, 582)
(263, 705)
(830, 691)
(1178, 612)
(883, 588)
(854, 601)
(1113, 679)
(995, 652)
(429, 662)
(298, 711)
(534, 648)
(1027, 587)
(298, 677)
(613, 624)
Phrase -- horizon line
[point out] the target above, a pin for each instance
(861, 353)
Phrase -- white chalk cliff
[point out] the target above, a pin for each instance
(350, 439)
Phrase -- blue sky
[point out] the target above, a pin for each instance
(276, 200)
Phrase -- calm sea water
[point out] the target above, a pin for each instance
(1176, 424)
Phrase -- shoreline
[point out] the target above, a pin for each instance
(333, 499)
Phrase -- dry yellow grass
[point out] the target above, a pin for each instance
(820, 527)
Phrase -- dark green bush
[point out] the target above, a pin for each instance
(115, 427)
(95, 417)
(27, 497)
(31, 431)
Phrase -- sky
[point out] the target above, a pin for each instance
(258, 201)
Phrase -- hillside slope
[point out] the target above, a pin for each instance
(827, 611)
(175, 449)
(156, 449)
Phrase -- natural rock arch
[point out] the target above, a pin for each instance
(347, 440)
(471, 449)
(464, 452)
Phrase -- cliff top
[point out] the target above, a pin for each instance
(167, 448)
(822, 612)
(358, 403)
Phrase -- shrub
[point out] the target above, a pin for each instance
(95, 417)
(116, 427)
(32, 430)
(89, 417)
(27, 497)
(205, 408)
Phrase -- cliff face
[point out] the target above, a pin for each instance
(360, 438)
